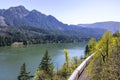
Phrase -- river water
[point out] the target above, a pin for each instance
(11, 58)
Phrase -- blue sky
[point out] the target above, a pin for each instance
(72, 11)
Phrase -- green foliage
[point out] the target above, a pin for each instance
(46, 64)
(65, 71)
(75, 61)
(104, 45)
(41, 75)
(24, 75)
(87, 50)
(90, 47)
(69, 66)
(45, 70)
(67, 57)
(5, 41)
(34, 35)
(105, 63)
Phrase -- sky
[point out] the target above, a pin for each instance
(72, 11)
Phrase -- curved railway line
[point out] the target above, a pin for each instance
(78, 71)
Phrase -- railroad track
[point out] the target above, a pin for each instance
(78, 71)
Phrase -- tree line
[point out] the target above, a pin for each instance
(33, 35)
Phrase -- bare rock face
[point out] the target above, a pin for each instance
(2, 21)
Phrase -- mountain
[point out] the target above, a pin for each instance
(2, 21)
(108, 25)
(20, 24)
(20, 16)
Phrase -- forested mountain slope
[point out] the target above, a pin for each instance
(20, 24)
(108, 25)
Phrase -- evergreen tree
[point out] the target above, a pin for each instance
(24, 75)
(90, 47)
(86, 50)
(46, 65)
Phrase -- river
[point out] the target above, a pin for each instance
(11, 58)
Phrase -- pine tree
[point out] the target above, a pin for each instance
(46, 65)
(86, 50)
(90, 47)
(24, 75)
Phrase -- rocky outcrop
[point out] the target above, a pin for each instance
(2, 21)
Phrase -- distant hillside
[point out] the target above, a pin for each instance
(34, 35)
(109, 25)
(20, 24)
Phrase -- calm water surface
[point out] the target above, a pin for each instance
(11, 58)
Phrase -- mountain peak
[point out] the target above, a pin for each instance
(18, 7)
(35, 11)
(50, 17)
(19, 11)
